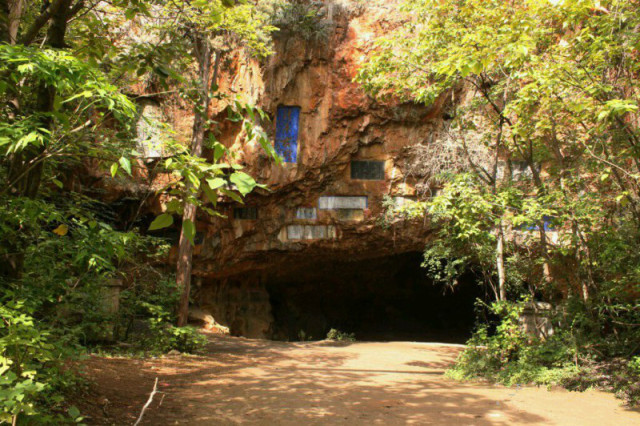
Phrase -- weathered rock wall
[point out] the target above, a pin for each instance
(298, 221)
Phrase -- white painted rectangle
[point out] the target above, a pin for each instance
(315, 232)
(295, 232)
(341, 202)
(310, 232)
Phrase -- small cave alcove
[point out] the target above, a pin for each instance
(379, 299)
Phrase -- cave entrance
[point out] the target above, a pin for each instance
(381, 299)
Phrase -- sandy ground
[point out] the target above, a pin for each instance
(274, 383)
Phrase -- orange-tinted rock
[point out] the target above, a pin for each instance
(338, 123)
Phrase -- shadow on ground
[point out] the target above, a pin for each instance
(263, 382)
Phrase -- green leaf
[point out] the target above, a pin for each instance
(215, 183)
(162, 221)
(173, 206)
(232, 195)
(218, 151)
(195, 180)
(74, 412)
(126, 164)
(243, 182)
(211, 194)
(189, 230)
(114, 169)
(220, 166)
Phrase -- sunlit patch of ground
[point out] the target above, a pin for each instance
(275, 383)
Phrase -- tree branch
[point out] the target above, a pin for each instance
(40, 22)
(153, 392)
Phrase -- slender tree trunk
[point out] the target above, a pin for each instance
(546, 264)
(544, 245)
(27, 184)
(502, 292)
(500, 262)
(582, 246)
(10, 15)
(4, 20)
(185, 248)
(184, 267)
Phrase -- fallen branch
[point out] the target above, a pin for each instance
(161, 399)
(153, 392)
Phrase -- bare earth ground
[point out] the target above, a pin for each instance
(275, 383)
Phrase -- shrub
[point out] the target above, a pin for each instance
(575, 357)
(32, 374)
(162, 335)
(340, 336)
(299, 19)
(58, 307)
(618, 375)
(183, 339)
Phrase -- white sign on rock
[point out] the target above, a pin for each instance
(310, 232)
(342, 202)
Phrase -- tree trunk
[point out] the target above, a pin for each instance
(184, 267)
(580, 245)
(10, 15)
(500, 262)
(25, 180)
(185, 249)
(4, 21)
(544, 245)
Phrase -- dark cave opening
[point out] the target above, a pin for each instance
(380, 299)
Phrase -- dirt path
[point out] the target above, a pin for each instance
(272, 383)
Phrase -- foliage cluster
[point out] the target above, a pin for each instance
(148, 316)
(67, 71)
(571, 357)
(548, 206)
(74, 255)
(340, 336)
(303, 19)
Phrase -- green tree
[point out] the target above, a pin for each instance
(210, 28)
(65, 67)
(546, 83)
(549, 91)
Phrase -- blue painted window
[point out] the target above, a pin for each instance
(547, 221)
(287, 133)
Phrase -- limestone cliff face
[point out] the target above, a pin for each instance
(317, 209)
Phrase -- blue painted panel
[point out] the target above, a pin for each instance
(547, 221)
(286, 143)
